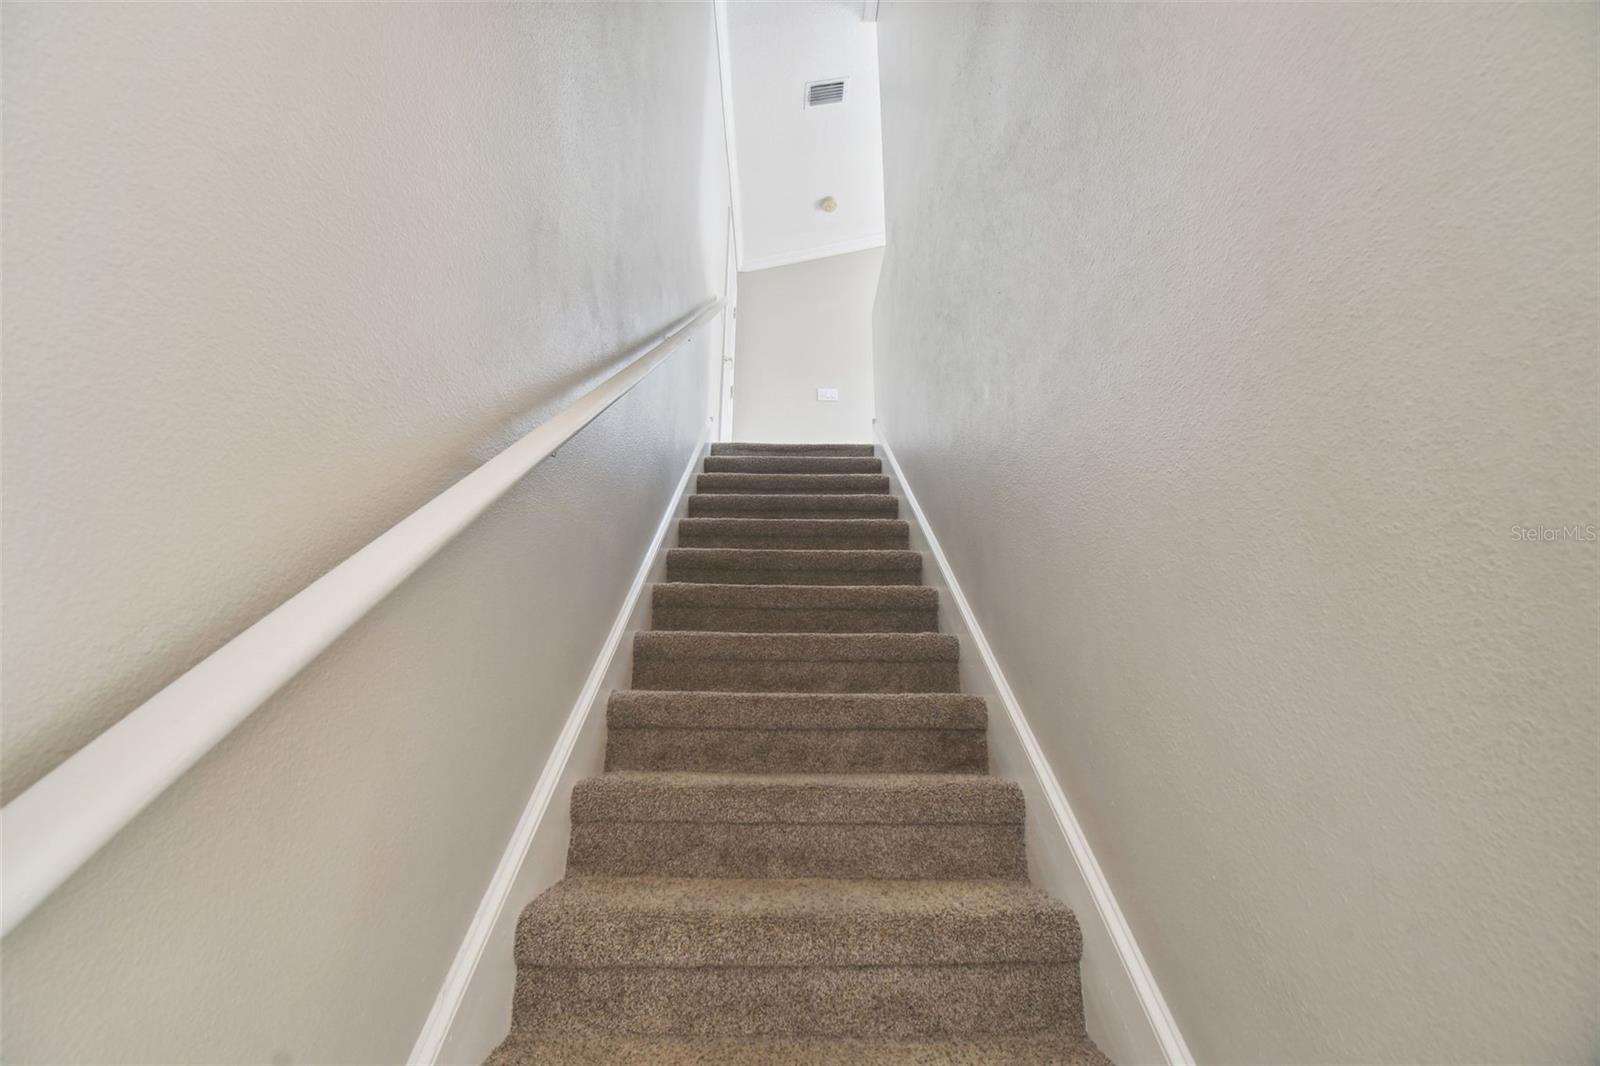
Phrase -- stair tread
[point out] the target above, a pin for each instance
(795, 566)
(822, 527)
(671, 921)
(794, 533)
(764, 799)
(779, 484)
(798, 751)
(793, 464)
(759, 607)
(794, 597)
(784, 500)
(851, 1001)
(816, 504)
(645, 709)
(794, 558)
(1037, 1049)
(805, 647)
(909, 850)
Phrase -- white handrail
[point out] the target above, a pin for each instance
(53, 828)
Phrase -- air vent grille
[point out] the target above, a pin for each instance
(825, 92)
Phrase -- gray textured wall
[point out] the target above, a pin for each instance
(274, 275)
(1226, 347)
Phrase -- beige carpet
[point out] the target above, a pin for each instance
(796, 854)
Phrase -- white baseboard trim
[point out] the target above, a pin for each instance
(1128, 1018)
(805, 255)
(472, 1012)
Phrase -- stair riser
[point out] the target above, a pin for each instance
(788, 849)
(630, 709)
(871, 541)
(733, 505)
(780, 800)
(785, 484)
(791, 567)
(884, 1001)
(601, 922)
(793, 464)
(621, 1049)
(736, 448)
(769, 531)
(757, 620)
(784, 675)
(702, 576)
(791, 598)
(795, 751)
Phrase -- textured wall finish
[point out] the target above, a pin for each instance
(801, 327)
(1227, 348)
(274, 275)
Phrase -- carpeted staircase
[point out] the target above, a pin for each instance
(796, 854)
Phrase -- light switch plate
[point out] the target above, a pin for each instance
(828, 395)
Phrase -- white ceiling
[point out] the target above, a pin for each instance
(789, 157)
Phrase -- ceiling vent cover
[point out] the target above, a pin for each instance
(825, 92)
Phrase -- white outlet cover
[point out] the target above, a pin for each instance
(828, 395)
